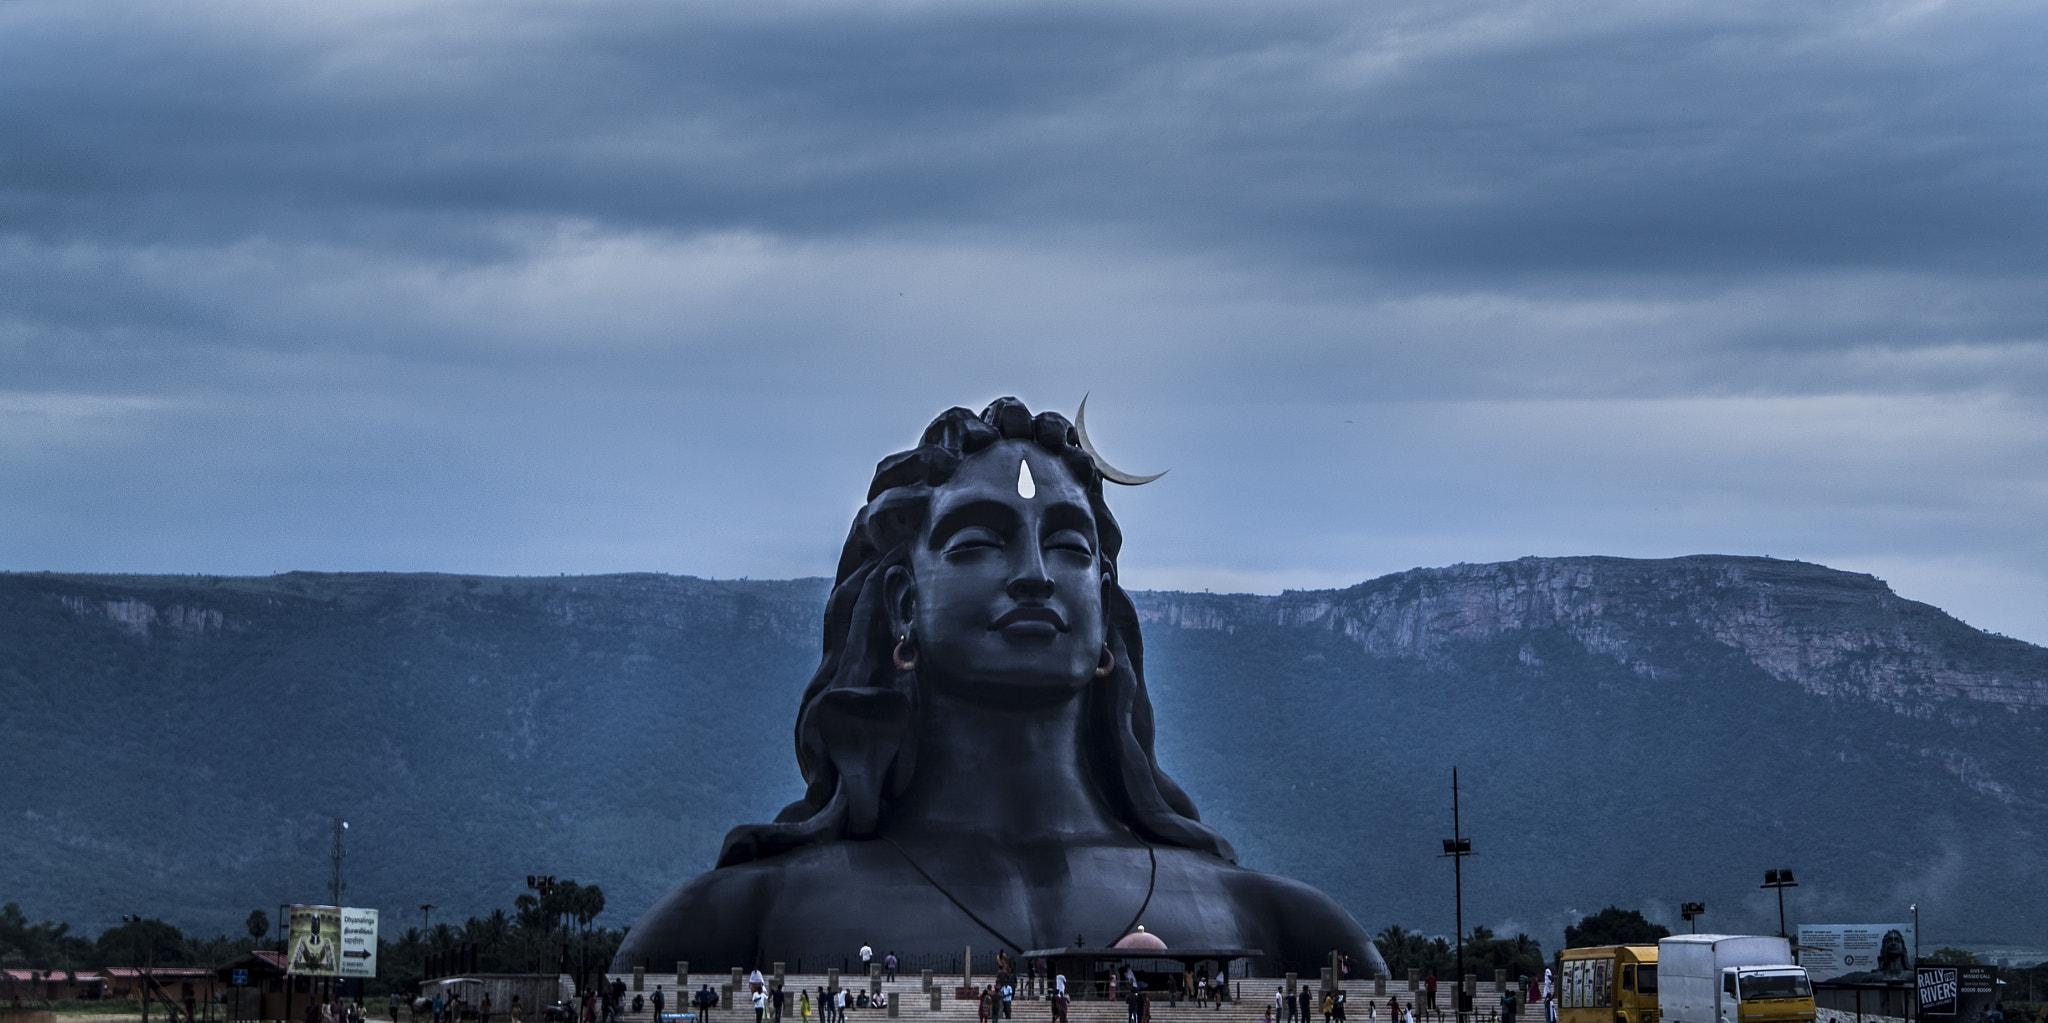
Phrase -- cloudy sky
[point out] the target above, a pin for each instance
(538, 288)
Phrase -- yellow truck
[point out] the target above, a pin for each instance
(1607, 984)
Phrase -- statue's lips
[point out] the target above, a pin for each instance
(1030, 623)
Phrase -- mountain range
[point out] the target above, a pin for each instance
(1631, 732)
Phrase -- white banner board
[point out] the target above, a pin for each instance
(358, 942)
(1871, 952)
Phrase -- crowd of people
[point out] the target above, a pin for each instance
(770, 1001)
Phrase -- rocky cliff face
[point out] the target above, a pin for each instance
(1830, 633)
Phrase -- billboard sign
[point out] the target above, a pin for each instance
(1857, 952)
(332, 941)
(358, 942)
(1939, 988)
(315, 942)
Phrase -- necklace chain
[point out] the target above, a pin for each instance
(1151, 881)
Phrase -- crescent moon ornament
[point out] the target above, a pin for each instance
(1108, 471)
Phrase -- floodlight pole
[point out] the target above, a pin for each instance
(1781, 879)
(1457, 847)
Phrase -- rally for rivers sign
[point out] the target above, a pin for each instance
(332, 941)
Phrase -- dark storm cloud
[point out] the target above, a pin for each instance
(1439, 139)
(535, 287)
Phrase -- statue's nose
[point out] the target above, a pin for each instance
(1031, 582)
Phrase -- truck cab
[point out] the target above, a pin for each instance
(1765, 994)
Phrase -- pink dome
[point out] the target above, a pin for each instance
(1140, 940)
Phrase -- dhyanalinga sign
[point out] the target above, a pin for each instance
(332, 941)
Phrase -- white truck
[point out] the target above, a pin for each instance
(1731, 978)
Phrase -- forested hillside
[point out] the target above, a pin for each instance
(1632, 732)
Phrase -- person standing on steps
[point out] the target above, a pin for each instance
(1283, 1006)
(1308, 1002)
(867, 955)
(660, 1000)
(889, 966)
(1429, 990)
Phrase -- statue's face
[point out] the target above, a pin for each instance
(1007, 596)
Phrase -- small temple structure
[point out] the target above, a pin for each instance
(1159, 969)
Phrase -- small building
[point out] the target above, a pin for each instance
(174, 982)
(30, 986)
(264, 984)
(1160, 969)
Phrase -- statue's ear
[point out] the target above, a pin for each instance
(900, 590)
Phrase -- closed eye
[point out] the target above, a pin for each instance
(973, 538)
(1070, 541)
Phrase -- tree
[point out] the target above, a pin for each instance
(1949, 955)
(258, 924)
(1614, 926)
(138, 942)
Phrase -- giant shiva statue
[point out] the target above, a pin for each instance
(977, 743)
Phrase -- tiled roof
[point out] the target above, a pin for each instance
(158, 972)
(61, 976)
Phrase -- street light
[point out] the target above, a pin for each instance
(1915, 910)
(1692, 911)
(1780, 879)
(1457, 847)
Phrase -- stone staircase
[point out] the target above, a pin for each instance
(1252, 996)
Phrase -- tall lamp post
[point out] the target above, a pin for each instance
(1692, 911)
(1457, 847)
(1780, 879)
(1915, 910)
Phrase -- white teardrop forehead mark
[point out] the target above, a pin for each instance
(1027, 488)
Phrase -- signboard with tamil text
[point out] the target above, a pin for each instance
(358, 942)
(332, 941)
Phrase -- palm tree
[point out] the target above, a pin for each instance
(258, 924)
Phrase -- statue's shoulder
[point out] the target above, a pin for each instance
(720, 916)
(710, 918)
(1306, 923)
